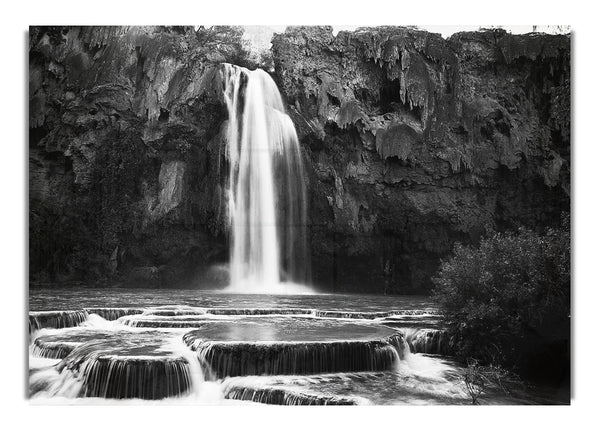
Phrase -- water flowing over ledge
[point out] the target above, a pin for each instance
(429, 381)
(281, 346)
(55, 319)
(352, 352)
(286, 397)
(118, 365)
(70, 318)
(184, 317)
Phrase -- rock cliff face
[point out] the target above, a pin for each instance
(416, 142)
(412, 142)
(122, 176)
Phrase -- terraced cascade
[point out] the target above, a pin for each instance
(424, 333)
(116, 364)
(436, 386)
(228, 348)
(280, 346)
(55, 319)
(61, 344)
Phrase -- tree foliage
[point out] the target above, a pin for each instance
(229, 42)
(508, 301)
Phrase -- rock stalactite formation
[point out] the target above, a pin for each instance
(415, 142)
(411, 142)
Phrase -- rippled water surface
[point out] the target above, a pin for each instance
(68, 298)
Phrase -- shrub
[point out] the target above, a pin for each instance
(228, 41)
(479, 379)
(507, 302)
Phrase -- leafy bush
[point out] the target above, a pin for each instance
(226, 41)
(507, 302)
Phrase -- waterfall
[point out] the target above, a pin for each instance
(266, 188)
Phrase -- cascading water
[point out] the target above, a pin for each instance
(56, 319)
(266, 186)
(260, 352)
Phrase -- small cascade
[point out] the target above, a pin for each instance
(44, 348)
(51, 382)
(146, 365)
(259, 311)
(164, 323)
(369, 315)
(52, 344)
(429, 312)
(55, 319)
(108, 374)
(426, 380)
(431, 341)
(113, 313)
(267, 197)
(197, 385)
(149, 379)
(165, 319)
(284, 358)
(173, 313)
(284, 397)
(353, 315)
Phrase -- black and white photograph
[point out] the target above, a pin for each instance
(261, 216)
(299, 215)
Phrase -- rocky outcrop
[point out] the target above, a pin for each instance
(123, 178)
(412, 142)
(415, 142)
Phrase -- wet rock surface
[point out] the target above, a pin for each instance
(411, 142)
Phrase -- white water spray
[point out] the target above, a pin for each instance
(266, 186)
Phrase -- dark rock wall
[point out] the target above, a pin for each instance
(123, 153)
(416, 142)
(412, 142)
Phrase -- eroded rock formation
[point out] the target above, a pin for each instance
(122, 181)
(412, 142)
(416, 142)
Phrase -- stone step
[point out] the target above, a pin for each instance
(294, 346)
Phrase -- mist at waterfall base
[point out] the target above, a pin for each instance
(266, 189)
